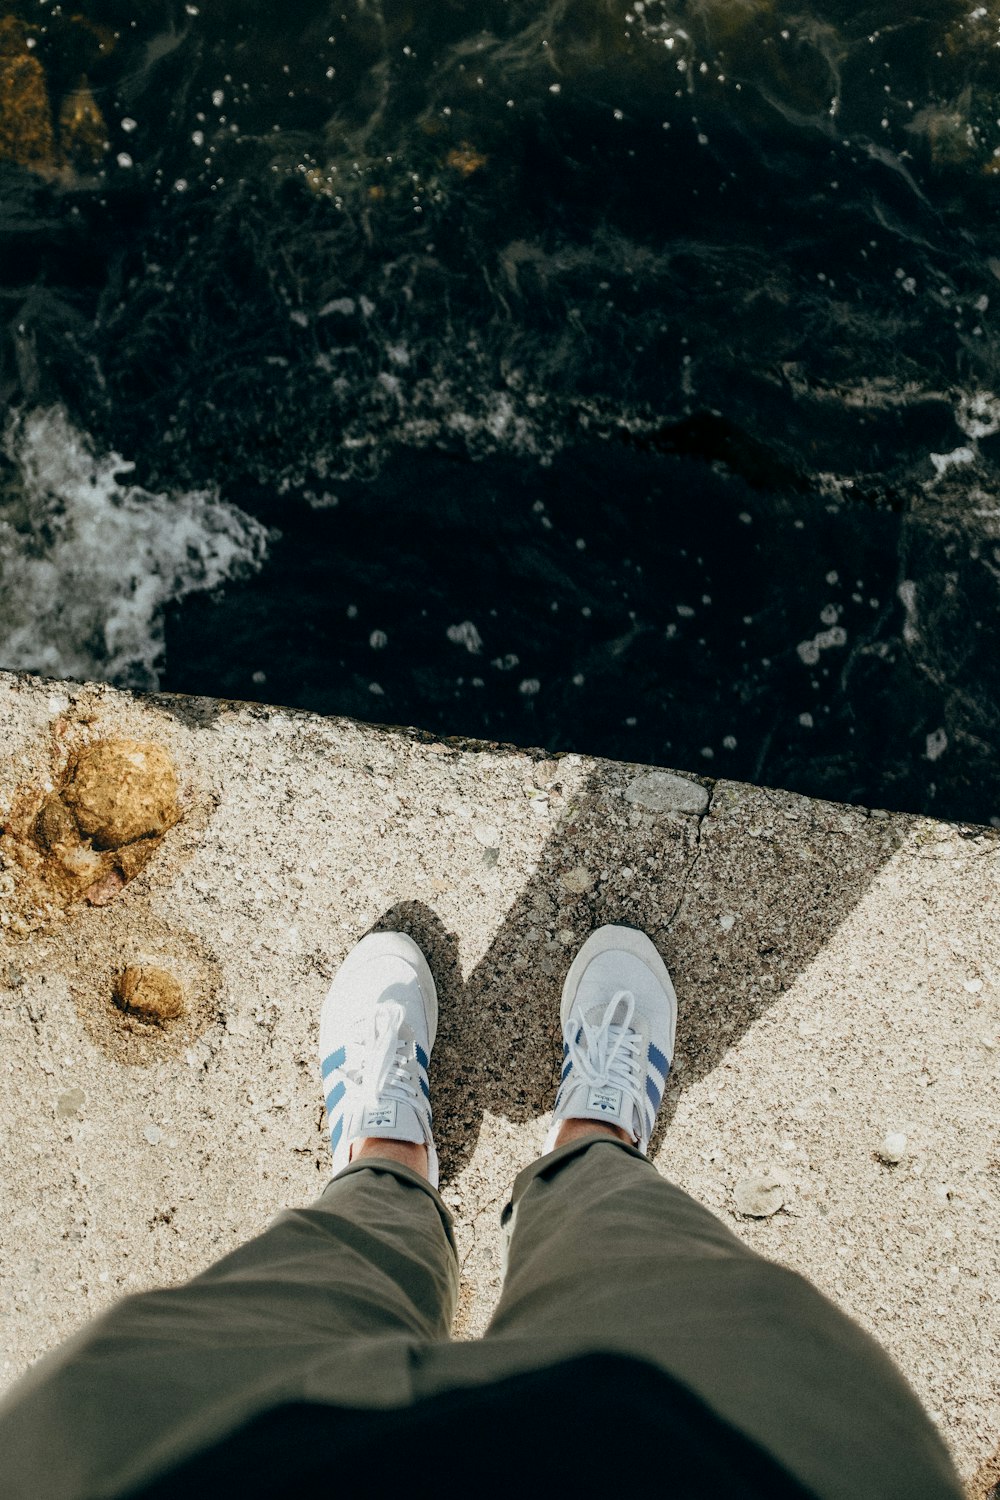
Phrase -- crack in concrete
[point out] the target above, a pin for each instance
(686, 877)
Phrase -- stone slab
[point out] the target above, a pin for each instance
(836, 968)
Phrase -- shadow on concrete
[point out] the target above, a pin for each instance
(786, 870)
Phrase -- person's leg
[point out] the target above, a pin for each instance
(326, 1304)
(603, 1253)
(330, 1303)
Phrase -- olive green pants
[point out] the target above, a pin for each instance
(350, 1301)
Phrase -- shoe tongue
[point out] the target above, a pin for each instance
(594, 998)
(605, 1102)
(392, 1118)
(596, 1014)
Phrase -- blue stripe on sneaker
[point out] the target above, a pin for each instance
(335, 1095)
(422, 1057)
(426, 1090)
(565, 1049)
(659, 1061)
(655, 1094)
(565, 1072)
(335, 1060)
(337, 1132)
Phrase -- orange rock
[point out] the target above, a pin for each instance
(122, 790)
(134, 857)
(150, 992)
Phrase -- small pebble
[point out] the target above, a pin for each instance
(70, 1103)
(150, 992)
(727, 922)
(660, 791)
(759, 1197)
(153, 1134)
(544, 772)
(577, 880)
(893, 1148)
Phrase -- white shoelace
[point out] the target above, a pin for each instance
(609, 1053)
(387, 1061)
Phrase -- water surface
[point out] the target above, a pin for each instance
(607, 377)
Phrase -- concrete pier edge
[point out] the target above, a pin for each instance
(834, 1090)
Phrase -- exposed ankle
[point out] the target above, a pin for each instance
(408, 1153)
(572, 1130)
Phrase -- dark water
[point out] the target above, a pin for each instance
(619, 378)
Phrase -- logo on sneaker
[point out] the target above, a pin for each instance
(608, 1100)
(380, 1116)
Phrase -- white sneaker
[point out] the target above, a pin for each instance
(619, 1016)
(376, 1031)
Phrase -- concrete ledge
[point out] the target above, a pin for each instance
(836, 970)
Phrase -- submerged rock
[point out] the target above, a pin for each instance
(27, 135)
(83, 134)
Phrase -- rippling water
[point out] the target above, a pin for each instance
(603, 376)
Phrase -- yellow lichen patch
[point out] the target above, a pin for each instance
(87, 837)
(150, 992)
(83, 134)
(465, 159)
(27, 137)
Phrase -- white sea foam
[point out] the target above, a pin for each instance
(88, 561)
(978, 414)
(466, 635)
(944, 461)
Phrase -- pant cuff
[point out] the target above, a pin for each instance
(404, 1174)
(553, 1161)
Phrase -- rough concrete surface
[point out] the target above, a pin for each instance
(836, 970)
